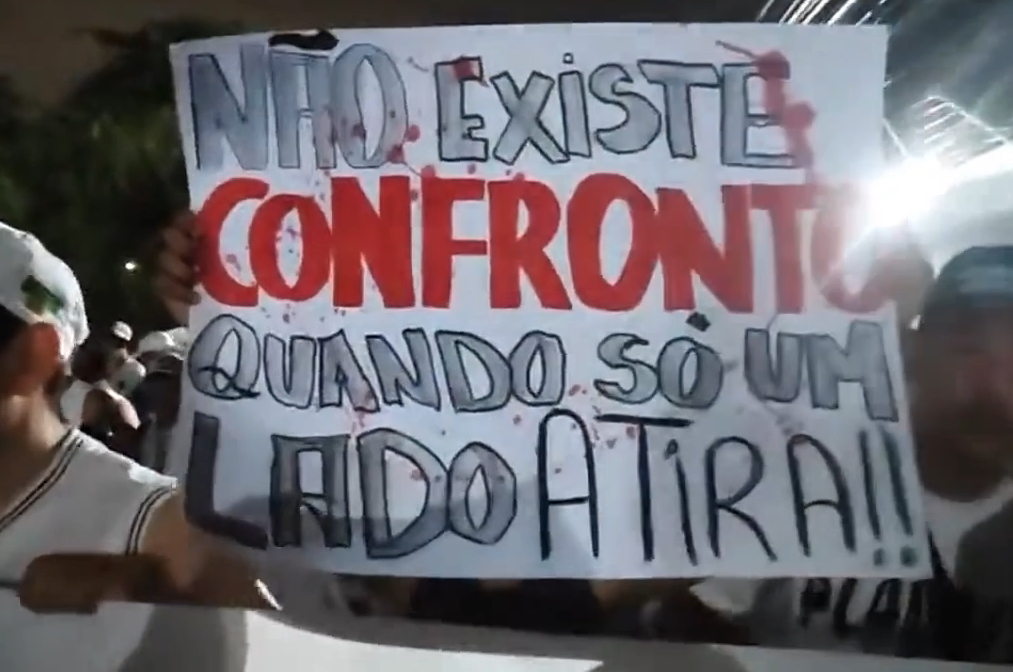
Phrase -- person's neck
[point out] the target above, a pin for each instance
(26, 448)
(38, 431)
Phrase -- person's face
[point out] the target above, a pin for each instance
(962, 390)
(29, 358)
(114, 346)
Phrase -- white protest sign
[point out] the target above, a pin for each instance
(544, 301)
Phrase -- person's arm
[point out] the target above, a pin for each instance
(203, 570)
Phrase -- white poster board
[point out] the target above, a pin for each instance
(544, 301)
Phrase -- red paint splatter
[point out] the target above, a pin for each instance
(413, 194)
(232, 260)
(517, 419)
(464, 70)
(794, 117)
(519, 177)
(428, 171)
(573, 390)
(413, 133)
(472, 168)
(631, 432)
(359, 131)
(396, 154)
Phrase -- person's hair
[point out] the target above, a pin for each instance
(10, 326)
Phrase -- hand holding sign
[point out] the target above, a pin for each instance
(177, 271)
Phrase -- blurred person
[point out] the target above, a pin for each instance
(127, 377)
(118, 339)
(62, 492)
(91, 403)
(960, 388)
(155, 345)
(157, 402)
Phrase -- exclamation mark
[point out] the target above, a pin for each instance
(871, 505)
(908, 554)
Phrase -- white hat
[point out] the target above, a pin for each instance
(181, 339)
(128, 376)
(122, 331)
(37, 286)
(157, 342)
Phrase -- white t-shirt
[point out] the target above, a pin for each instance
(887, 616)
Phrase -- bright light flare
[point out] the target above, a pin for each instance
(907, 192)
(130, 266)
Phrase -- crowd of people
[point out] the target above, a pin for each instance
(79, 415)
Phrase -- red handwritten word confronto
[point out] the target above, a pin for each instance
(667, 232)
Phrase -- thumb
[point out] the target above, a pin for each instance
(904, 273)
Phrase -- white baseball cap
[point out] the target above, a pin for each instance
(37, 286)
(181, 339)
(157, 342)
(122, 331)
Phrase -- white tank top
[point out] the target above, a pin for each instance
(88, 500)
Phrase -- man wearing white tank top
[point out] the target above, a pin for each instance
(63, 492)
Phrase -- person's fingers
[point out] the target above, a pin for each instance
(78, 583)
(186, 222)
(177, 267)
(171, 290)
(62, 584)
(179, 239)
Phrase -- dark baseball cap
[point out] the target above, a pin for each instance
(978, 280)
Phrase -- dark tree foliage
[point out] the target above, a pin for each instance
(97, 176)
